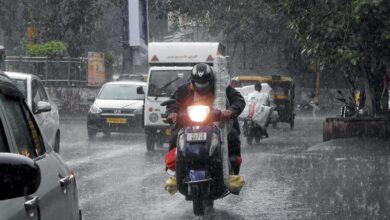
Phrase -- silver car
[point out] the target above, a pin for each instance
(55, 196)
(117, 108)
(36, 95)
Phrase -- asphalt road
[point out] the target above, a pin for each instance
(291, 175)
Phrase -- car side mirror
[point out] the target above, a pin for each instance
(91, 98)
(19, 176)
(43, 107)
(140, 90)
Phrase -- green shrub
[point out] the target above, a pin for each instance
(50, 49)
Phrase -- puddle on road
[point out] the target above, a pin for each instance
(336, 187)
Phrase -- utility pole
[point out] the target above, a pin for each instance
(127, 54)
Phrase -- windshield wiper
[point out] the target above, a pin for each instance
(165, 86)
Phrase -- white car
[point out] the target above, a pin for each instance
(117, 108)
(44, 109)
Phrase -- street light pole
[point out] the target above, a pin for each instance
(127, 53)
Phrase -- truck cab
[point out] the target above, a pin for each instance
(170, 67)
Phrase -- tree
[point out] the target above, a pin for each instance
(71, 21)
(248, 27)
(11, 23)
(351, 36)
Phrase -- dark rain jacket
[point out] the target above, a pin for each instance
(184, 97)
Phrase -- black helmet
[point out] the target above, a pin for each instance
(258, 86)
(202, 77)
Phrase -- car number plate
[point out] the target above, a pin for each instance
(116, 120)
(198, 136)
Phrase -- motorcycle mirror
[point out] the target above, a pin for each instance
(339, 92)
(341, 99)
(168, 102)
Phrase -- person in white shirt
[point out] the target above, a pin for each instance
(259, 97)
(262, 98)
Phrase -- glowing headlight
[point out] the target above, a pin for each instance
(95, 110)
(153, 117)
(198, 113)
(214, 143)
(181, 142)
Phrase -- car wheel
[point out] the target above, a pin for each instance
(292, 123)
(159, 143)
(91, 134)
(150, 143)
(56, 146)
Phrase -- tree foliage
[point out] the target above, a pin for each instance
(74, 22)
(248, 26)
(350, 36)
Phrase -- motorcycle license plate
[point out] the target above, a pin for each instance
(196, 175)
(197, 136)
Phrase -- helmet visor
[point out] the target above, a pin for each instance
(202, 85)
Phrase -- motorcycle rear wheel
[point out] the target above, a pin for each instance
(249, 139)
(257, 140)
(198, 207)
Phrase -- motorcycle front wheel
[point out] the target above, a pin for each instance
(198, 207)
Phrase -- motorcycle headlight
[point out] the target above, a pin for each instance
(214, 143)
(181, 142)
(198, 113)
(95, 110)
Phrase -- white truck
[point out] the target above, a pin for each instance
(170, 66)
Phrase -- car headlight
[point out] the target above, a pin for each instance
(181, 142)
(95, 110)
(153, 117)
(214, 143)
(138, 111)
(198, 113)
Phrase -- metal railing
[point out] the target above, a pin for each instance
(53, 71)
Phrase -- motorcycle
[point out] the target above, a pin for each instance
(199, 160)
(350, 109)
(253, 131)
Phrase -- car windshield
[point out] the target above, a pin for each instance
(22, 85)
(164, 82)
(120, 92)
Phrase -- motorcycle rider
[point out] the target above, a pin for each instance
(261, 98)
(200, 90)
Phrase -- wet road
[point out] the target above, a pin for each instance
(291, 175)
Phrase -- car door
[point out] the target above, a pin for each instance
(54, 195)
(13, 208)
(51, 118)
(42, 117)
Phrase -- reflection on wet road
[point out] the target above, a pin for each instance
(291, 175)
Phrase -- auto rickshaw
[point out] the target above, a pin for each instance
(283, 93)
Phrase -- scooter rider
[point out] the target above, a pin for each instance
(261, 98)
(200, 90)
